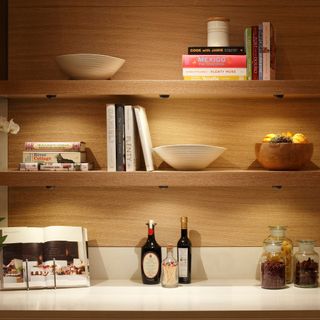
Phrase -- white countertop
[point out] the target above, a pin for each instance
(125, 295)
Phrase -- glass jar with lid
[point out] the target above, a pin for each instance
(278, 233)
(306, 265)
(169, 275)
(272, 265)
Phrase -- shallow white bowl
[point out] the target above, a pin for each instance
(89, 66)
(189, 156)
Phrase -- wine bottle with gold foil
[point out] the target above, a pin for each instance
(151, 257)
(184, 253)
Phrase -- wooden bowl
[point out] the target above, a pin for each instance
(283, 156)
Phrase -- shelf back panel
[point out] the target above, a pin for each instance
(152, 35)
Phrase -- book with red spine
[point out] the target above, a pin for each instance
(255, 53)
(214, 61)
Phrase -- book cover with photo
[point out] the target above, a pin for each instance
(48, 257)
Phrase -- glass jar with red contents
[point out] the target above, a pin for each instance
(306, 265)
(272, 265)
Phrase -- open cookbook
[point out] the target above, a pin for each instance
(49, 257)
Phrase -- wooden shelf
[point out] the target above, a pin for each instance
(157, 88)
(213, 178)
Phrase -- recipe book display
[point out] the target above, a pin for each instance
(49, 257)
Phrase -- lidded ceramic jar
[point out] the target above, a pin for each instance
(218, 32)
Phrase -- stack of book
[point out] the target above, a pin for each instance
(260, 50)
(124, 122)
(214, 63)
(54, 156)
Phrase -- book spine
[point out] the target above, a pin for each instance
(55, 146)
(57, 167)
(130, 152)
(111, 137)
(145, 137)
(272, 53)
(120, 154)
(216, 50)
(255, 53)
(53, 157)
(248, 46)
(215, 78)
(214, 71)
(266, 50)
(260, 50)
(214, 61)
(28, 166)
(66, 167)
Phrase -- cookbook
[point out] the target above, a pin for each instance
(49, 257)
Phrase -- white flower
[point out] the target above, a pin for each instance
(8, 126)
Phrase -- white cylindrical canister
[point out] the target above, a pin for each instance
(218, 32)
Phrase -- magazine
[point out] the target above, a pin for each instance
(48, 257)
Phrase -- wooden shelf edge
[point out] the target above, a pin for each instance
(162, 179)
(156, 88)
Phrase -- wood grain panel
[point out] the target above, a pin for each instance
(152, 37)
(217, 217)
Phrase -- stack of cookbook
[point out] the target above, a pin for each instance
(55, 156)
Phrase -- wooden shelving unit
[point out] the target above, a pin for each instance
(160, 88)
(163, 179)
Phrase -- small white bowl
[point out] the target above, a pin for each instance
(189, 156)
(89, 66)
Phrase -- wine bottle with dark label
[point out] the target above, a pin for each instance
(151, 258)
(184, 253)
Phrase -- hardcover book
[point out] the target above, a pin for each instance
(46, 257)
(248, 46)
(132, 147)
(214, 77)
(111, 137)
(269, 51)
(145, 137)
(216, 50)
(55, 146)
(255, 53)
(52, 157)
(218, 72)
(120, 136)
(214, 61)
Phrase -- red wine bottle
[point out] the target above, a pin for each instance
(151, 258)
(184, 253)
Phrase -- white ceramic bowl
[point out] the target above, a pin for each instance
(189, 156)
(89, 66)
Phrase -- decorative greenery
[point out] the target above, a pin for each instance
(2, 238)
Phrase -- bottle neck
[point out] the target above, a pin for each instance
(184, 233)
(150, 234)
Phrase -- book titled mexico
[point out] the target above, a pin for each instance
(55, 146)
(214, 61)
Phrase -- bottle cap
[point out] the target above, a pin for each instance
(184, 222)
(278, 231)
(151, 224)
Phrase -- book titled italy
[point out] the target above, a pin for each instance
(48, 257)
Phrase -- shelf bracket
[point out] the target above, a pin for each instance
(4, 164)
